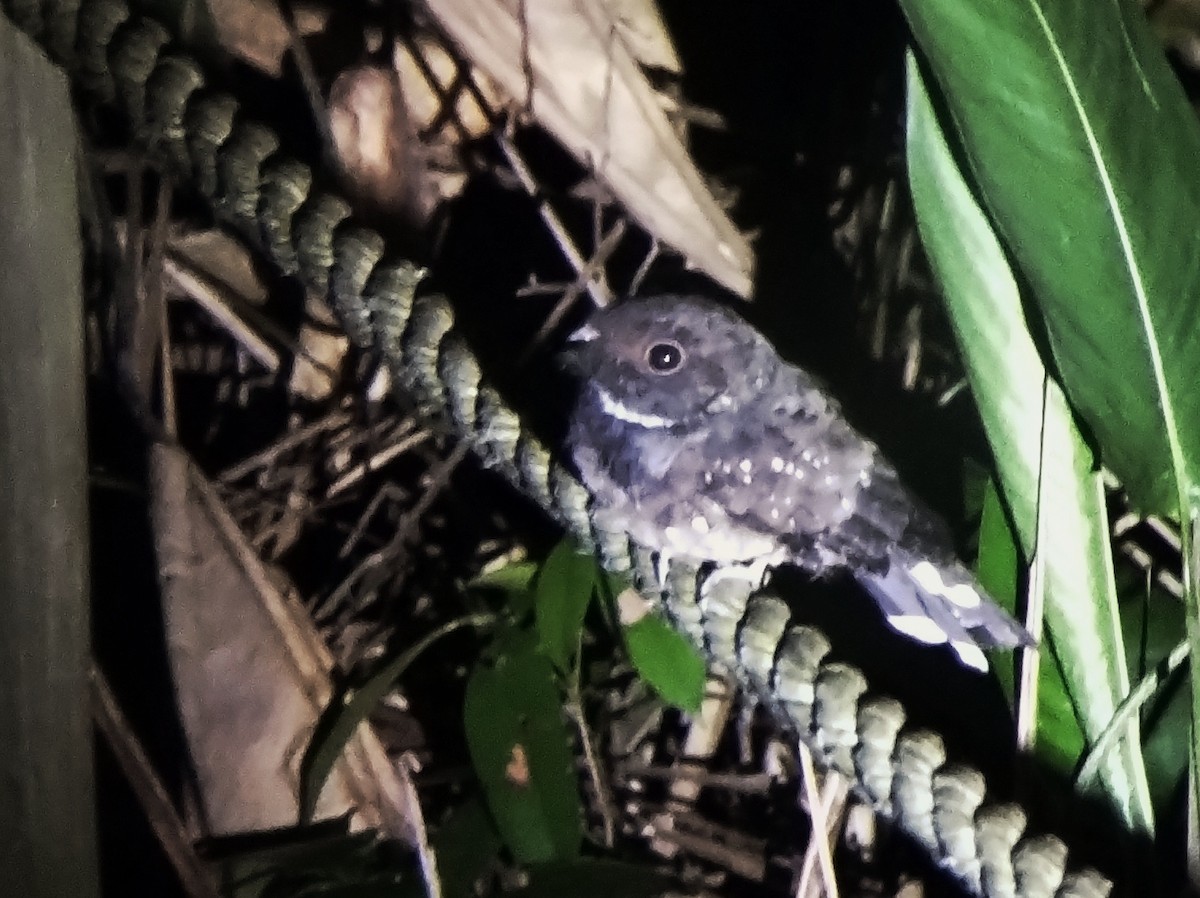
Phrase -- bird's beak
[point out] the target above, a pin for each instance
(576, 355)
(585, 334)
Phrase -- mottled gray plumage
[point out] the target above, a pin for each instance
(697, 439)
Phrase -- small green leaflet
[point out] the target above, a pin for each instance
(564, 590)
(667, 661)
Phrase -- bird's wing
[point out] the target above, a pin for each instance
(827, 494)
(792, 474)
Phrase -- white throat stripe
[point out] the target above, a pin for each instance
(618, 410)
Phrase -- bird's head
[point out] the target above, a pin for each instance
(671, 361)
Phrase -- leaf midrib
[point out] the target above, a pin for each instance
(1139, 288)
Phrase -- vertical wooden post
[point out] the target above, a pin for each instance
(47, 793)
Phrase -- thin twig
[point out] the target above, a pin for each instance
(607, 247)
(388, 491)
(722, 844)
(391, 555)
(818, 814)
(333, 421)
(376, 462)
(550, 218)
(311, 85)
(526, 56)
(156, 299)
(635, 284)
(438, 477)
(287, 527)
(1118, 726)
(215, 300)
(739, 783)
(339, 597)
(595, 769)
(172, 833)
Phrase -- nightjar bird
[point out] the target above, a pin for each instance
(699, 441)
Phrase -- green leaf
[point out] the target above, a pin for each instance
(1046, 470)
(667, 661)
(999, 560)
(515, 576)
(519, 746)
(1060, 736)
(564, 591)
(998, 568)
(1154, 626)
(350, 708)
(514, 581)
(467, 847)
(1084, 147)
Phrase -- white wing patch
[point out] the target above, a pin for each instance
(961, 594)
(919, 627)
(970, 655)
(925, 630)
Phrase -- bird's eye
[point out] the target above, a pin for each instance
(663, 358)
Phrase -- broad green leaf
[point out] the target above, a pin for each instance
(1046, 471)
(564, 590)
(519, 746)
(667, 661)
(1084, 147)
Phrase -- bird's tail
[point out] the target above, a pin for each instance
(941, 602)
